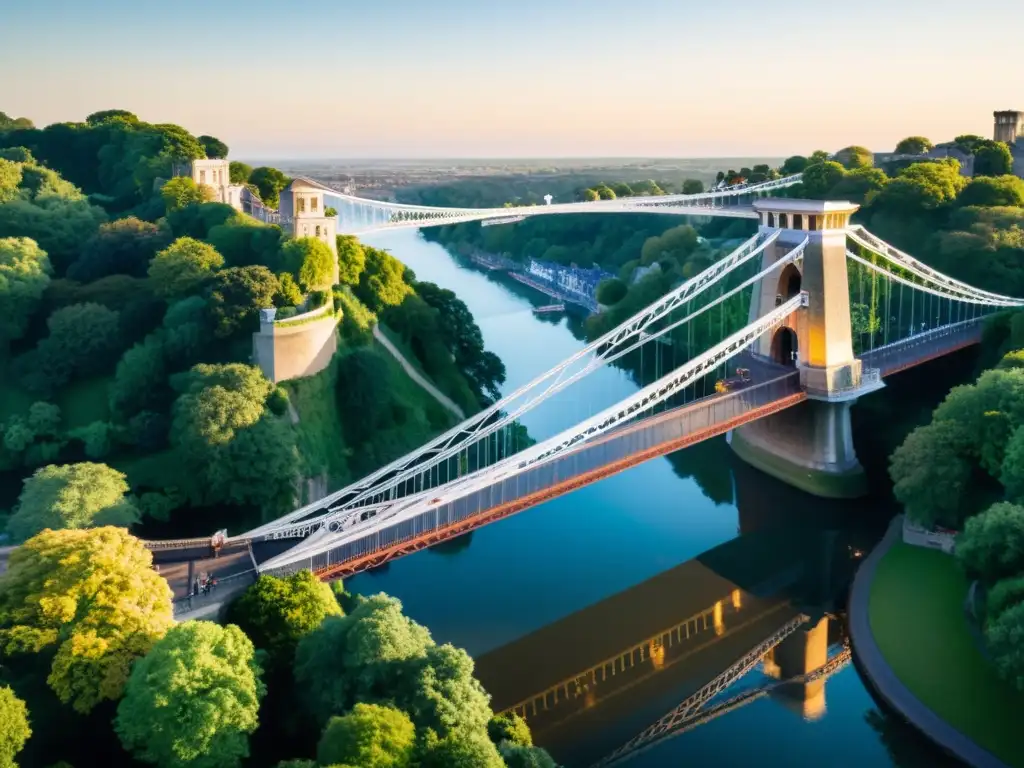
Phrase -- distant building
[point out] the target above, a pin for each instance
(215, 174)
(1009, 126)
(302, 213)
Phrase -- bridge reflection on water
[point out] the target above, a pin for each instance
(763, 607)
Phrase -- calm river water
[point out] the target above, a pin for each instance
(677, 519)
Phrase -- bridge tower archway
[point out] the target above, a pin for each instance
(785, 347)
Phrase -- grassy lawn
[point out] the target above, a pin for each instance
(320, 439)
(917, 618)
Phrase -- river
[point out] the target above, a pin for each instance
(675, 529)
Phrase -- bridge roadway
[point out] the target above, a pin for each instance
(617, 451)
(592, 680)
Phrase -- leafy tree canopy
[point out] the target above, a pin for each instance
(24, 275)
(1004, 637)
(92, 596)
(125, 247)
(276, 613)
(182, 191)
(511, 728)
(71, 496)
(855, 157)
(239, 172)
(14, 727)
(193, 699)
(460, 749)
(12, 123)
(182, 267)
(382, 283)
(992, 158)
(991, 546)
(914, 145)
(351, 259)
(370, 736)
(236, 296)
(214, 148)
(311, 261)
(693, 186)
(820, 178)
(269, 182)
(930, 473)
(992, 191)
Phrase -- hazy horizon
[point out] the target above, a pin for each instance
(536, 79)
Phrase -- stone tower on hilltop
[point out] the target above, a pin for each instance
(303, 215)
(1009, 125)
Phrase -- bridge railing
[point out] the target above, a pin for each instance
(705, 417)
(226, 587)
(924, 346)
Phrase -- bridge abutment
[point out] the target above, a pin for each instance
(809, 446)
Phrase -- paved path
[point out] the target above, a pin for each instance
(415, 375)
(885, 681)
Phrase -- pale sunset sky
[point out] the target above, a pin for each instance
(520, 78)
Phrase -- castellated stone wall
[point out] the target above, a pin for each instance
(290, 351)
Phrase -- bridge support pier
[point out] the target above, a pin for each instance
(808, 446)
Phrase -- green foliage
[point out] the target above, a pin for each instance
(141, 378)
(992, 191)
(611, 291)
(460, 749)
(10, 180)
(1005, 639)
(519, 756)
(357, 657)
(589, 195)
(510, 728)
(237, 295)
(277, 401)
(93, 597)
(14, 727)
(930, 473)
(215, 148)
(439, 692)
(269, 182)
(1004, 594)
(59, 225)
(84, 339)
(914, 145)
(243, 241)
(239, 172)
(24, 275)
(182, 191)
(357, 321)
(370, 736)
(276, 613)
(992, 158)
(198, 220)
(382, 283)
(310, 260)
(859, 185)
(13, 123)
(351, 259)
(17, 155)
(97, 439)
(921, 187)
(193, 699)
(820, 178)
(181, 268)
(288, 293)
(991, 546)
(330, 212)
(71, 496)
(124, 247)
(674, 246)
(1011, 360)
(855, 157)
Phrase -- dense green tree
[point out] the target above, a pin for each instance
(351, 259)
(243, 241)
(247, 380)
(914, 145)
(604, 192)
(509, 728)
(311, 261)
(1004, 594)
(382, 283)
(124, 247)
(611, 291)
(1005, 639)
(820, 178)
(992, 158)
(239, 172)
(182, 267)
(818, 156)
(193, 699)
(993, 191)
(921, 187)
(622, 189)
(97, 438)
(214, 147)
(519, 756)
(859, 184)
(14, 727)
(589, 195)
(210, 418)
(10, 180)
(276, 613)
(460, 749)
(930, 473)
(140, 381)
(17, 155)
(182, 191)
(855, 157)
(363, 411)
(693, 186)
(269, 182)
(24, 275)
(370, 736)
(676, 243)
(237, 295)
(13, 123)
(288, 292)
(71, 496)
(83, 340)
(1011, 360)
(198, 220)
(103, 116)
(439, 692)
(93, 597)
(991, 546)
(57, 224)
(356, 320)
(356, 657)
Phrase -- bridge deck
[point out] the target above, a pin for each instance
(620, 450)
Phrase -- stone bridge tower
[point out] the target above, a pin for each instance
(810, 445)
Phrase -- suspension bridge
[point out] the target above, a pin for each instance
(816, 309)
